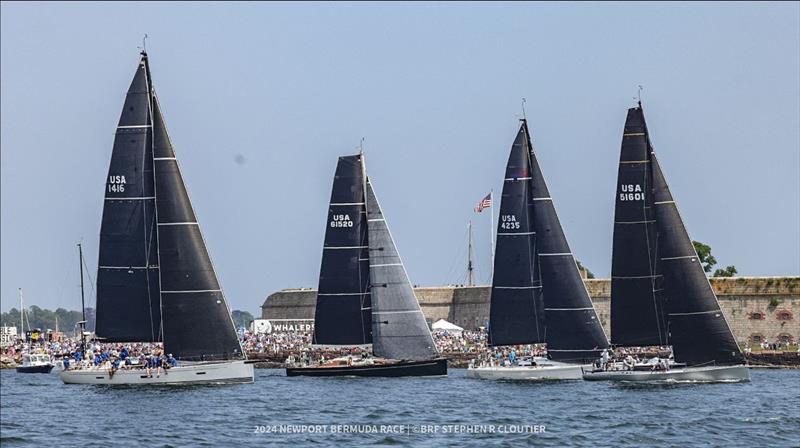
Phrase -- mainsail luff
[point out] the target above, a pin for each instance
(637, 303)
(196, 320)
(399, 329)
(516, 313)
(343, 314)
(573, 330)
(699, 333)
(128, 299)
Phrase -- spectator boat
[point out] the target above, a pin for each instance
(660, 294)
(155, 279)
(35, 363)
(364, 295)
(538, 295)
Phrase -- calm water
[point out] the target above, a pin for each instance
(39, 410)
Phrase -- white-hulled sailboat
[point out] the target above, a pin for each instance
(538, 295)
(660, 294)
(155, 280)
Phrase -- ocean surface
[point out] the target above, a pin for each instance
(38, 410)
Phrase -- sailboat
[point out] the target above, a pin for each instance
(660, 294)
(155, 280)
(364, 295)
(538, 295)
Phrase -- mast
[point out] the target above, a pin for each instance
(83, 303)
(469, 255)
(21, 316)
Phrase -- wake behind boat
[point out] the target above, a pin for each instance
(660, 294)
(155, 280)
(538, 294)
(364, 295)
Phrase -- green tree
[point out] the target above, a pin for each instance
(727, 271)
(589, 273)
(704, 252)
(241, 318)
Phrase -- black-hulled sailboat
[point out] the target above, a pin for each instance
(538, 295)
(155, 280)
(364, 295)
(660, 294)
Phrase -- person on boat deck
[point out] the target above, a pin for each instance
(629, 362)
(97, 360)
(148, 364)
(128, 362)
(157, 362)
(172, 362)
(512, 357)
(65, 361)
(123, 355)
(604, 359)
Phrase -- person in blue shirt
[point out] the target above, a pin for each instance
(513, 357)
(148, 364)
(123, 355)
(66, 362)
(97, 360)
(172, 362)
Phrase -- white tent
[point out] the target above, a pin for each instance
(442, 324)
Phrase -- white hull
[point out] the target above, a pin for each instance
(199, 373)
(710, 374)
(549, 372)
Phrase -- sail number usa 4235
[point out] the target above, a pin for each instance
(116, 183)
(631, 192)
(509, 222)
(341, 221)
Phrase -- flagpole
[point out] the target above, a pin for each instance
(491, 229)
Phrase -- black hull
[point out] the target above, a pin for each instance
(433, 367)
(35, 369)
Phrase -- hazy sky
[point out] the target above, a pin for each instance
(260, 99)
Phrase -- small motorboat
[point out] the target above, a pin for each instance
(35, 363)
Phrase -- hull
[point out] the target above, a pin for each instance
(434, 367)
(200, 373)
(35, 369)
(688, 374)
(553, 372)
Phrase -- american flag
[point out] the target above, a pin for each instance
(484, 203)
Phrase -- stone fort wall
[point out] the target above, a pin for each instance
(757, 308)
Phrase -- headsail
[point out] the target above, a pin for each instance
(343, 314)
(698, 331)
(516, 313)
(128, 299)
(574, 332)
(399, 330)
(196, 320)
(637, 304)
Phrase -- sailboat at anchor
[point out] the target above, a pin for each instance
(155, 280)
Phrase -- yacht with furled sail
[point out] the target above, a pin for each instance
(660, 294)
(364, 295)
(538, 295)
(155, 279)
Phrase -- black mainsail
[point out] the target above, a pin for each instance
(128, 296)
(343, 315)
(516, 313)
(399, 330)
(636, 288)
(186, 308)
(698, 331)
(573, 330)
